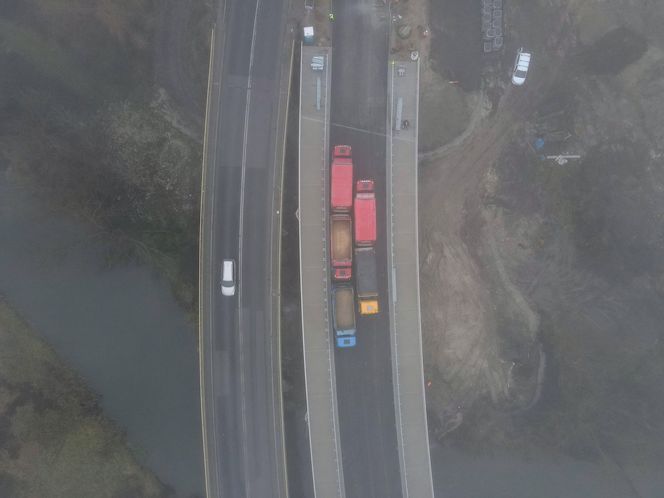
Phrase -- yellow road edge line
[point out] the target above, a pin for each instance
(201, 273)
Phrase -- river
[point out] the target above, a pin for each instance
(120, 328)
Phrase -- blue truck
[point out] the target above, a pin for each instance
(343, 313)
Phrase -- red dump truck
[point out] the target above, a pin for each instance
(341, 241)
(341, 223)
(341, 192)
(365, 213)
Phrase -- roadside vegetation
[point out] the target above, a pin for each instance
(95, 119)
(54, 440)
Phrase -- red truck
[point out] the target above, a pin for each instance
(365, 213)
(341, 193)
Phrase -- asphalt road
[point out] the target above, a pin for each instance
(364, 374)
(240, 366)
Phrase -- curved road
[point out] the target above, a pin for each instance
(364, 374)
(239, 341)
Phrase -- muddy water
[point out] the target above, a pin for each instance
(120, 328)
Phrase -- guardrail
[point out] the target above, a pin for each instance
(404, 283)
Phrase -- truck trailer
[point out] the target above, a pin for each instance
(343, 312)
(366, 280)
(341, 242)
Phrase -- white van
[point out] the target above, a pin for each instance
(228, 277)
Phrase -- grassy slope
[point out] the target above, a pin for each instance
(54, 440)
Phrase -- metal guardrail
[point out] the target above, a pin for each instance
(404, 285)
(320, 378)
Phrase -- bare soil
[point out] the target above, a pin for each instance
(467, 357)
(542, 283)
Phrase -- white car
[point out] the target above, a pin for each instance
(228, 278)
(521, 65)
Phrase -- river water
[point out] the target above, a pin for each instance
(120, 328)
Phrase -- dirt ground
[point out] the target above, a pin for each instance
(542, 283)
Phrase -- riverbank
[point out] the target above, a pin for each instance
(55, 440)
(118, 326)
(100, 133)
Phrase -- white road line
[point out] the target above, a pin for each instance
(393, 311)
(211, 294)
(408, 140)
(204, 347)
(201, 278)
(305, 118)
(417, 274)
(327, 347)
(212, 248)
(359, 130)
(279, 429)
(241, 228)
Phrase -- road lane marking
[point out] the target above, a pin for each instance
(315, 120)
(212, 248)
(204, 278)
(359, 130)
(243, 405)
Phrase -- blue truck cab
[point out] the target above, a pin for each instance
(346, 342)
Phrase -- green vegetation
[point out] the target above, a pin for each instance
(54, 440)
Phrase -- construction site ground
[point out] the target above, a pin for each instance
(542, 283)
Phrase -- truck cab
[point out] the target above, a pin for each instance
(364, 186)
